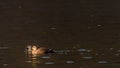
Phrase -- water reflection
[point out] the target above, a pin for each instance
(49, 63)
(34, 60)
(3, 48)
(69, 62)
(5, 64)
(87, 57)
(103, 62)
(78, 56)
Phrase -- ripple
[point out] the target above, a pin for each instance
(102, 62)
(45, 57)
(49, 63)
(3, 47)
(87, 57)
(28, 61)
(5, 64)
(70, 62)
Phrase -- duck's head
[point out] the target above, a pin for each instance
(34, 48)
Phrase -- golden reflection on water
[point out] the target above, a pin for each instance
(34, 60)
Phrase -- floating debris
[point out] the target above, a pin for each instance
(49, 63)
(70, 62)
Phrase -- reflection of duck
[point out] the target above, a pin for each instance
(34, 50)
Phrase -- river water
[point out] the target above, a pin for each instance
(12, 56)
(85, 34)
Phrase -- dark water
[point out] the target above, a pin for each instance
(88, 30)
(76, 57)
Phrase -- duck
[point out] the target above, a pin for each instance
(34, 50)
(37, 51)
